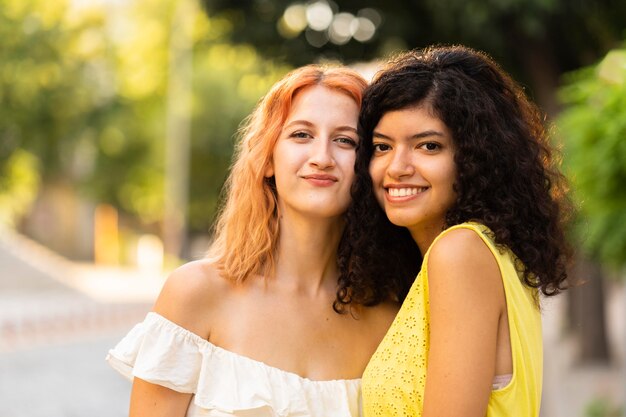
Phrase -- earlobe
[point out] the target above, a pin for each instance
(269, 170)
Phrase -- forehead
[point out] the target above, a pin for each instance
(414, 117)
(322, 100)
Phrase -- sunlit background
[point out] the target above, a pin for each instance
(117, 124)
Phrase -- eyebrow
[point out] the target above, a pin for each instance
(307, 123)
(419, 135)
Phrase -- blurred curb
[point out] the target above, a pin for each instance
(65, 301)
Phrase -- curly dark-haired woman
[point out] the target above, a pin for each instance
(456, 154)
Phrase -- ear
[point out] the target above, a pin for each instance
(269, 169)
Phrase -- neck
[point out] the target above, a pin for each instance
(307, 254)
(425, 235)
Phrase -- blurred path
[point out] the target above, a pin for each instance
(63, 380)
(569, 388)
(57, 321)
(45, 299)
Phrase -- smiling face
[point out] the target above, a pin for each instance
(313, 159)
(413, 171)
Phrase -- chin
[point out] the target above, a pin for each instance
(326, 212)
(400, 220)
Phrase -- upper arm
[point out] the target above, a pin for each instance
(188, 298)
(150, 400)
(466, 299)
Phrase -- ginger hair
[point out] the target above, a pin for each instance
(247, 230)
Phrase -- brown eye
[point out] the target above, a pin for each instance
(431, 146)
(381, 147)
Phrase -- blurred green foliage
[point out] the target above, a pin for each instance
(83, 92)
(593, 128)
(19, 182)
(601, 407)
(47, 99)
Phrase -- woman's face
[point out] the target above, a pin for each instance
(413, 170)
(313, 159)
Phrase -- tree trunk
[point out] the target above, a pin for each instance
(587, 312)
(178, 125)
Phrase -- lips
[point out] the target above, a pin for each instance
(321, 180)
(321, 177)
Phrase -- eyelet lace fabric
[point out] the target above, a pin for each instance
(394, 380)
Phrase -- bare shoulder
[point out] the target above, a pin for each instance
(192, 294)
(462, 248)
(461, 260)
(194, 281)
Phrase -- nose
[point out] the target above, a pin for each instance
(401, 165)
(321, 154)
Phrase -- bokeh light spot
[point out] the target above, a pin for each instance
(319, 15)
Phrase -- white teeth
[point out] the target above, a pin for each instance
(403, 192)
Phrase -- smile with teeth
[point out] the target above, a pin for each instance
(403, 192)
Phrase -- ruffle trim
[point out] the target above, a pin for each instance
(163, 353)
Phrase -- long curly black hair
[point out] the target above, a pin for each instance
(507, 175)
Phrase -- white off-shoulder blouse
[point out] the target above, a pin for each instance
(224, 383)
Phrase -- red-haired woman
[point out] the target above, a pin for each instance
(255, 328)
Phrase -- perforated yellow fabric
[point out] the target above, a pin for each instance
(394, 380)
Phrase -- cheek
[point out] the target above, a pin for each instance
(346, 162)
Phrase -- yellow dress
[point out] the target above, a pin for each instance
(394, 380)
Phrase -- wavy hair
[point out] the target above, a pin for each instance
(247, 229)
(507, 172)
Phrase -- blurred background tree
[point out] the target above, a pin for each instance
(84, 85)
(536, 40)
(593, 128)
(50, 97)
(83, 91)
